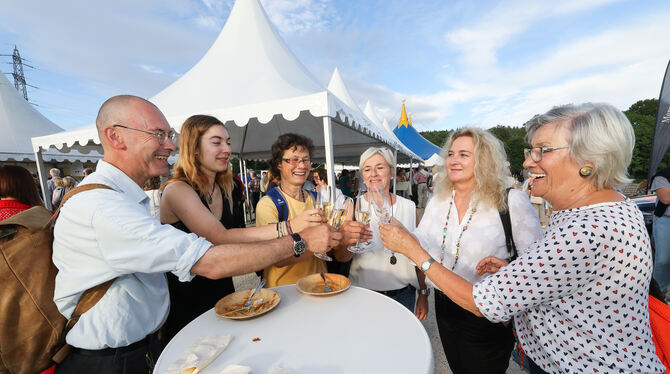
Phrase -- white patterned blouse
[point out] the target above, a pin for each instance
(579, 297)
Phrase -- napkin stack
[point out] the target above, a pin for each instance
(202, 353)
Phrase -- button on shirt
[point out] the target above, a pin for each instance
(103, 234)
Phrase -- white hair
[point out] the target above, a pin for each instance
(382, 151)
(54, 172)
(601, 136)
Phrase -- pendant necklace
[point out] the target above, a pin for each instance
(458, 241)
(393, 260)
(209, 198)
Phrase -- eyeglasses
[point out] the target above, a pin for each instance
(536, 153)
(295, 161)
(161, 135)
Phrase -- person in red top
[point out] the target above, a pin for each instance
(17, 191)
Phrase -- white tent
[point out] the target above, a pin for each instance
(19, 122)
(252, 82)
(435, 159)
(339, 89)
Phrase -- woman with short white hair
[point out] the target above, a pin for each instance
(579, 296)
(391, 274)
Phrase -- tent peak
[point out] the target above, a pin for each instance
(404, 121)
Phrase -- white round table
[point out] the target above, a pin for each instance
(357, 331)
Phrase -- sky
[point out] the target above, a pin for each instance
(456, 63)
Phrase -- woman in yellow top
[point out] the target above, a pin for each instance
(291, 161)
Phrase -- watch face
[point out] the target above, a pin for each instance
(299, 247)
(426, 265)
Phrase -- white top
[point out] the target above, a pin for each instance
(484, 236)
(372, 269)
(344, 333)
(579, 296)
(102, 235)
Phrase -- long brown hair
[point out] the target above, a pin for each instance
(17, 183)
(188, 168)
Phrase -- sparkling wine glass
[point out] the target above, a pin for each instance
(362, 215)
(323, 203)
(380, 202)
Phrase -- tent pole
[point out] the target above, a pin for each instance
(330, 164)
(411, 175)
(41, 173)
(246, 187)
(395, 172)
(244, 206)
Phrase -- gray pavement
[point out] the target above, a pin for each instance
(441, 366)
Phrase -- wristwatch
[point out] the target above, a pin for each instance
(426, 264)
(424, 291)
(299, 245)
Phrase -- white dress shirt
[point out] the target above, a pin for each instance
(484, 236)
(373, 269)
(103, 234)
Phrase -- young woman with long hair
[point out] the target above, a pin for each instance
(202, 198)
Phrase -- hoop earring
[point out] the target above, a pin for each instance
(585, 172)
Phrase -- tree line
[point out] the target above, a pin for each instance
(642, 116)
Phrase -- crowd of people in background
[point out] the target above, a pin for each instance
(171, 243)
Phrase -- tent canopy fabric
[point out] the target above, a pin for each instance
(412, 139)
(19, 122)
(339, 89)
(251, 81)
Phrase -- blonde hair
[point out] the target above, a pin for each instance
(58, 182)
(490, 174)
(188, 168)
(69, 182)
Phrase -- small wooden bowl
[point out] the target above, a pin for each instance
(232, 306)
(313, 284)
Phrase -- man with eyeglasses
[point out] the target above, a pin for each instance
(104, 235)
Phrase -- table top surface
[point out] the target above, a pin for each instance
(357, 331)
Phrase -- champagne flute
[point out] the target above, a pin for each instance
(324, 204)
(362, 215)
(380, 202)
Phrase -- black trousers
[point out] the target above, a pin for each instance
(138, 358)
(472, 344)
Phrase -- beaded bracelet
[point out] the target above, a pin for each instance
(288, 227)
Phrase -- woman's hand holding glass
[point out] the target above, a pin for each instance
(397, 239)
(307, 218)
(362, 215)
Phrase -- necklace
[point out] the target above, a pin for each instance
(579, 200)
(302, 194)
(209, 198)
(458, 241)
(393, 260)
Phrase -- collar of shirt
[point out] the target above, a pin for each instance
(115, 178)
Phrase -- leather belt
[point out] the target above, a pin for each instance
(392, 293)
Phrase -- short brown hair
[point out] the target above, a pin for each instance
(17, 183)
(285, 142)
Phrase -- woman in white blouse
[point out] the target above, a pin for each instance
(460, 227)
(579, 296)
(388, 273)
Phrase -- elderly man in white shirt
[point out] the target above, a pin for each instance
(109, 234)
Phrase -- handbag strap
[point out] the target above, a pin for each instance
(507, 227)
